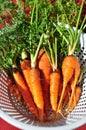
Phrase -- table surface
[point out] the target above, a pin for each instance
(6, 126)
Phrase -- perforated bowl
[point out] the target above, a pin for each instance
(19, 116)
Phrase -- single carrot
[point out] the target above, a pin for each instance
(25, 92)
(15, 90)
(75, 98)
(31, 75)
(51, 51)
(44, 65)
(70, 67)
(54, 89)
(36, 90)
(45, 71)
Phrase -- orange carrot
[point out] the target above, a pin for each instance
(61, 85)
(46, 69)
(70, 67)
(15, 90)
(32, 78)
(36, 90)
(66, 95)
(25, 92)
(51, 51)
(75, 98)
(25, 64)
(54, 89)
(44, 65)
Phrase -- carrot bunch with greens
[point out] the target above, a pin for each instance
(32, 77)
(51, 51)
(38, 49)
(70, 65)
(11, 56)
(30, 71)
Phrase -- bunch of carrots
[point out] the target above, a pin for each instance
(44, 88)
(45, 72)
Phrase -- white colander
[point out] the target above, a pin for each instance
(19, 116)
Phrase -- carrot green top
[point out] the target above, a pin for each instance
(26, 23)
(73, 33)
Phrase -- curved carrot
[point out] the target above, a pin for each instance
(70, 67)
(54, 89)
(25, 92)
(45, 71)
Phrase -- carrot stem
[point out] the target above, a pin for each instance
(79, 16)
(34, 57)
(51, 51)
(36, 13)
(58, 27)
(74, 33)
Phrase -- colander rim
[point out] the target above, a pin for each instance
(23, 126)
